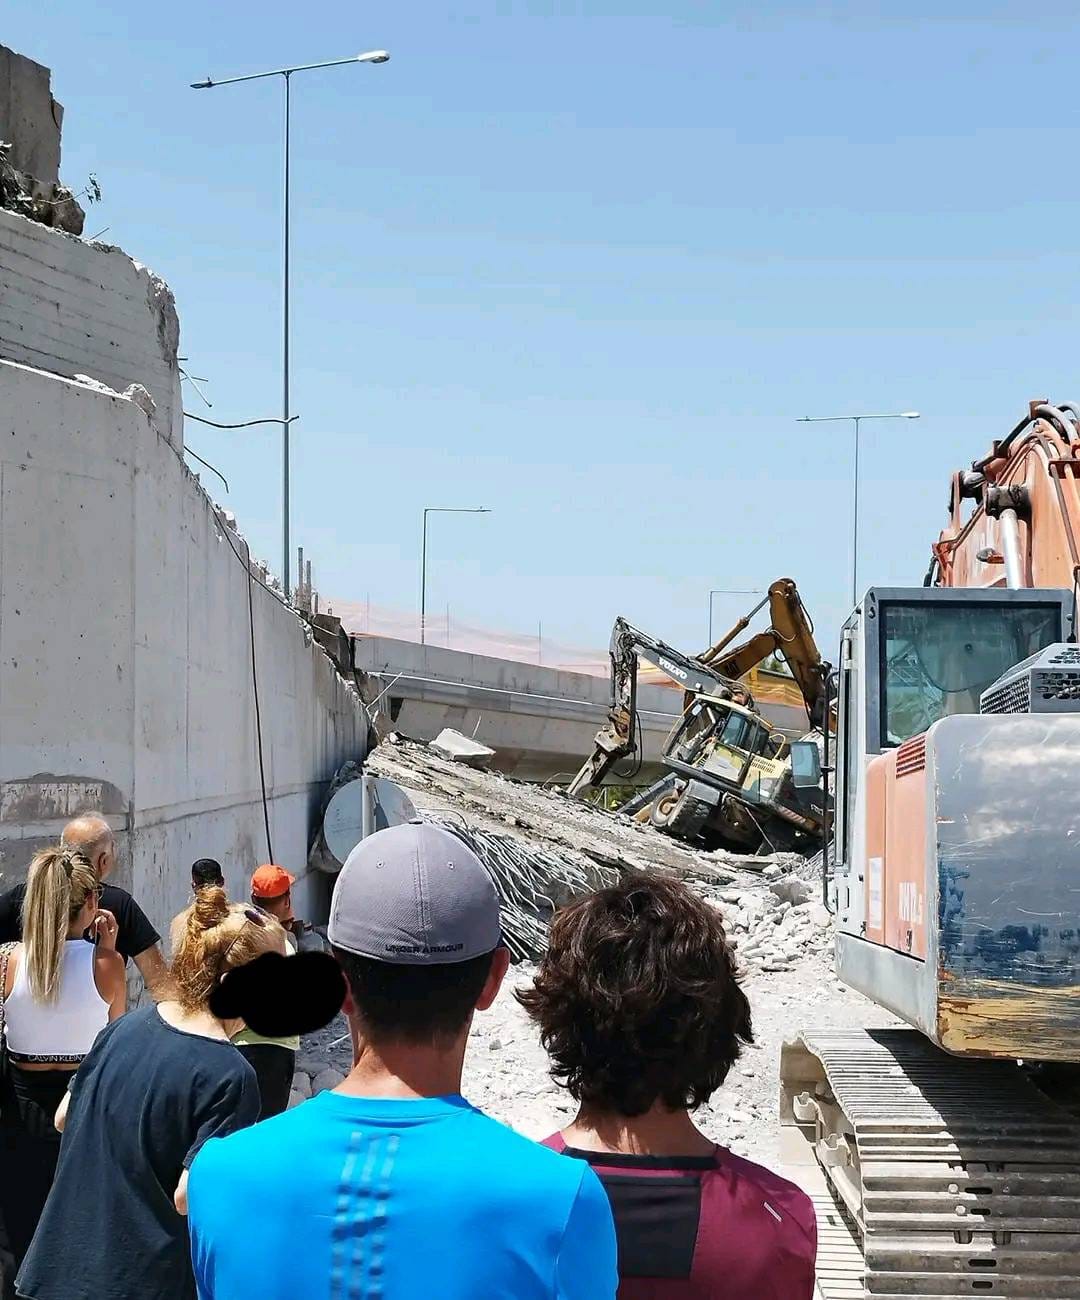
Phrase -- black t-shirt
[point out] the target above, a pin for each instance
(142, 1104)
(134, 933)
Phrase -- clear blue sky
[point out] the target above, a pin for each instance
(585, 264)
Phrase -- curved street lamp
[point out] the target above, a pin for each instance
(370, 56)
(855, 419)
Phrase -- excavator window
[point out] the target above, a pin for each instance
(938, 658)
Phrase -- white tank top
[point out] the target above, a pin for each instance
(64, 1030)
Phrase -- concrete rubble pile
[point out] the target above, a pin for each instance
(546, 818)
(771, 906)
(773, 927)
(780, 932)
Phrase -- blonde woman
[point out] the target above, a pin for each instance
(59, 993)
(157, 1085)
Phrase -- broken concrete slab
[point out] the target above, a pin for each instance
(30, 121)
(453, 745)
(790, 889)
(545, 818)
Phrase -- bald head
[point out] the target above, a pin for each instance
(93, 837)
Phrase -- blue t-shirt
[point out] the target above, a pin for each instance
(346, 1197)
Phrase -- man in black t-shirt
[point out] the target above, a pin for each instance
(136, 937)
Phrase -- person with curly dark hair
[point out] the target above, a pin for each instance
(641, 1012)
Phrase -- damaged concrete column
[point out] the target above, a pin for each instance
(30, 122)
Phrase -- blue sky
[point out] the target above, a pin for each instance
(585, 264)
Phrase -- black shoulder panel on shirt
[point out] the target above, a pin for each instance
(656, 1222)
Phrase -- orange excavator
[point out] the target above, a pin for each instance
(945, 1165)
(1014, 516)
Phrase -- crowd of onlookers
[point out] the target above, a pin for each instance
(149, 1154)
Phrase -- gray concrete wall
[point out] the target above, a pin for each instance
(30, 119)
(125, 659)
(74, 308)
(541, 721)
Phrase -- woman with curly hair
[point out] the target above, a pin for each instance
(156, 1085)
(639, 1008)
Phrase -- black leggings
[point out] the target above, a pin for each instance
(273, 1066)
(30, 1146)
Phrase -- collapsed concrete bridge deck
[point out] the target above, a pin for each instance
(540, 721)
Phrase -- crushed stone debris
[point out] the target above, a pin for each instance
(545, 818)
(775, 920)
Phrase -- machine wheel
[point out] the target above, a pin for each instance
(660, 813)
(679, 814)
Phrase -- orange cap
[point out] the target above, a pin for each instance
(271, 881)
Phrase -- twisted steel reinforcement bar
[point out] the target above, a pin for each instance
(958, 1177)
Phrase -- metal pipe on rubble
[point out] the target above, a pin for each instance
(371, 56)
(437, 510)
(855, 419)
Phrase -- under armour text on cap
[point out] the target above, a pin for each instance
(416, 895)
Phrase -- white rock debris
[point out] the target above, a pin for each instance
(782, 938)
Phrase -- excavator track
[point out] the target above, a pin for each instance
(956, 1177)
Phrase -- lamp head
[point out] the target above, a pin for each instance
(910, 415)
(374, 56)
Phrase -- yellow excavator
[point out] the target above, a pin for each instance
(728, 781)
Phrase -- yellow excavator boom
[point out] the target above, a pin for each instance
(790, 634)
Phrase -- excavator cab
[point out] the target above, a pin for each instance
(732, 784)
(728, 781)
(948, 900)
(721, 735)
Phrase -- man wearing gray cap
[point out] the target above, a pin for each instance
(392, 1185)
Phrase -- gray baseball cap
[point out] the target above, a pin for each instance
(414, 894)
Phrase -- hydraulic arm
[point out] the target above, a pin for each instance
(618, 737)
(790, 634)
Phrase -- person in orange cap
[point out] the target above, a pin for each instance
(271, 889)
(272, 1059)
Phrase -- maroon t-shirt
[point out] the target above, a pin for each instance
(705, 1227)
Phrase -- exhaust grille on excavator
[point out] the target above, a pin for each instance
(1047, 682)
(911, 756)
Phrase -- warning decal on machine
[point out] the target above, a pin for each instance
(875, 914)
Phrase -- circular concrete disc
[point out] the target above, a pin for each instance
(344, 813)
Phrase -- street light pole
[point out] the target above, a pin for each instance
(727, 591)
(437, 510)
(371, 56)
(285, 454)
(856, 420)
